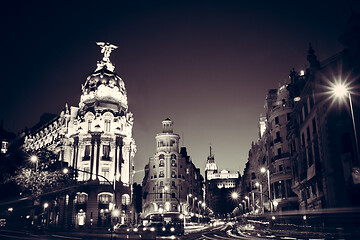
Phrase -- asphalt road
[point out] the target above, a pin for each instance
(223, 232)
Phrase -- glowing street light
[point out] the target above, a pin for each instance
(341, 91)
(34, 159)
(234, 195)
(263, 170)
(257, 184)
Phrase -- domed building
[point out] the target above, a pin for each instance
(95, 139)
(171, 180)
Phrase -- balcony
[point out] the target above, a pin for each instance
(106, 158)
(280, 156)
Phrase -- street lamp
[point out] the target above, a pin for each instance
(34, 159)
(234, 195)
(257, 184)
(263, 170)
(340, 91)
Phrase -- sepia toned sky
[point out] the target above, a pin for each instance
(207, 65)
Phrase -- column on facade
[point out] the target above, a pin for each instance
(92, 156)
(92, 211)
(97, 161)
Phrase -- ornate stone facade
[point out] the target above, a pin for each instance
(96, 140)
(170, 176)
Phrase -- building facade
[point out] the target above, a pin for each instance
(95, 139)
(325, 129)
(170, 178)
(219, 187)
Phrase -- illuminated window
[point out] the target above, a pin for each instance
(105, 198)
(105, 172)
(89, 125)
(106, 152)
(125, 199)
(107, 125)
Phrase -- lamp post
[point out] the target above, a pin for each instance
(248, 200)
(257, 184)
(341, 91)
(263, 170)
(35, 159)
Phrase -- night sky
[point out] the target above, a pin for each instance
(207, 65)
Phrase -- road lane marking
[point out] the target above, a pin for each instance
(59, 236)
(15, 237)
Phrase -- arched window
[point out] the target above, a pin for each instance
(81, 197)
(173, 174)
(161, 156)
(173, 163)
(161, 163)
(173, 156)
(125, 199)
(105, 198)
(161, 174)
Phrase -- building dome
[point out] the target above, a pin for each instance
(104, 90)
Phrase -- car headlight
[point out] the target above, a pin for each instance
(164, 229)
(128, 229)
(152, 229)
(172, 229)
(135, 229)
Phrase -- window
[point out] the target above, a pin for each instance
(279, 151)
(105, 172)
(173, 156)
(278, 135)
(253, 176)
(125, 199)
(288, 116)
(87, 152)
(173, 183)
(173, 174)
(89, 125)
(161, 184)
(107, 125)
(105, 198)
(161, 156)
(173, 195)
(161, 174)
(4, 146)
(173, 163)
(161, 163)
(281, 168)
(106, 152)
(276, 120)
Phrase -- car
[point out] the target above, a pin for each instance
(120, 228)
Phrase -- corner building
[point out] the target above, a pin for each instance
(95, 139)
(170, 175)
